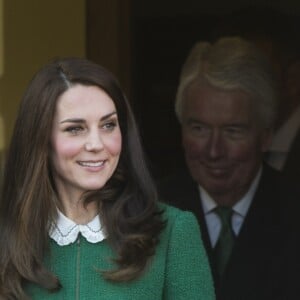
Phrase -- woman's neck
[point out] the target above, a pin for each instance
(78, 212)
(73, 206)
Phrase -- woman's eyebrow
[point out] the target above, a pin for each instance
(108, 116)
(79, 120)
(73, 120)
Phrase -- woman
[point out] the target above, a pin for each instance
(79, 211)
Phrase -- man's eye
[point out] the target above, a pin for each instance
(199, 130)
(235, 132)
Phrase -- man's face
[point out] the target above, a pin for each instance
(222, 140)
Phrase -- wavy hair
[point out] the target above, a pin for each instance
(127, 203)
(232, 63)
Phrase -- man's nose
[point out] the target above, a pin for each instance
(216, 145)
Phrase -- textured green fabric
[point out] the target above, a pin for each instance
(178, 270)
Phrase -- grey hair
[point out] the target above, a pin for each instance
(229, 64)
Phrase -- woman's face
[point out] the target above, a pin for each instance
(86, 141)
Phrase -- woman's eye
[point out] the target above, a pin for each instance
(109, 126)
(74, 129)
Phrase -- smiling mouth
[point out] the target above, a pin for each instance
(217, 171)
(91, 164)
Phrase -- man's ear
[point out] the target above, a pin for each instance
(266, 139)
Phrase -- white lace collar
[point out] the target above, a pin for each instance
(64, 231)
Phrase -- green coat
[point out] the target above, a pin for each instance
(178, 270)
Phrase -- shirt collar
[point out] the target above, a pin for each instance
(64, 231)
(241, 207)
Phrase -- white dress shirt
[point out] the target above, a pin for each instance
(64, 231)
(240, 210)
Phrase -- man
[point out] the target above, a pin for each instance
(226, 103)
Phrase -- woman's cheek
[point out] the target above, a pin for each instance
(68, 148)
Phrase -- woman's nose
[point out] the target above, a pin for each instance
(94, 142)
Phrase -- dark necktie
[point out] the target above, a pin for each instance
(226, 238)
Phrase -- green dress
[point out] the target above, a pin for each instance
(178, 270)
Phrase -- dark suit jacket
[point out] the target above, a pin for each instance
(262, 264)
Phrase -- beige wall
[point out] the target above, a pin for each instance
(35, 32)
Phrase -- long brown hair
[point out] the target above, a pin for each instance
(127, 203)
